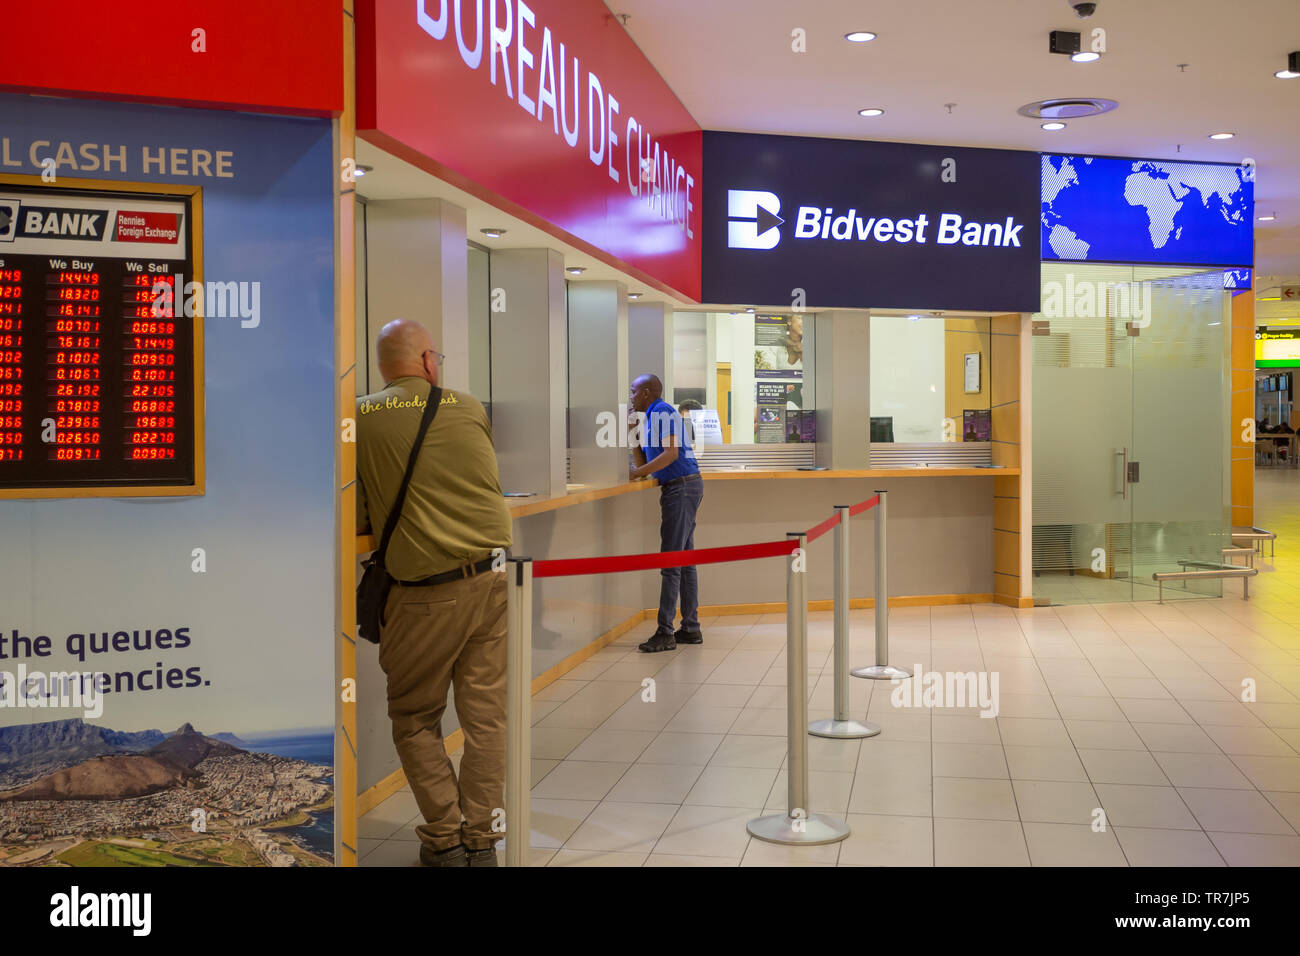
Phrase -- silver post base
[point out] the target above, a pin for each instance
(843, 728)
(815, 830)
(881, 672)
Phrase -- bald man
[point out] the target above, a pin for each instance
(666, 453)
(445, 621)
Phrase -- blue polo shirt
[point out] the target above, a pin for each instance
(662, 420)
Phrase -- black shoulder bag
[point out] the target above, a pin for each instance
(376, 582)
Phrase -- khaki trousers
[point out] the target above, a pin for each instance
(450, 635)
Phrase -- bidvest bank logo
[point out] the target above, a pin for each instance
(8, 219)
(752, 219)
(753, 223)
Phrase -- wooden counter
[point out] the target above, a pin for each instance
(523, 507)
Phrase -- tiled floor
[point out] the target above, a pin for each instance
(1127, 715)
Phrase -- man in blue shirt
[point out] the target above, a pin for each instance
(665, 452)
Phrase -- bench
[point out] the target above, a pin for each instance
(1248, 553)
(1255, 537)
(1200, 570)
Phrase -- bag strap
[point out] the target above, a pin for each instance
(430, 409)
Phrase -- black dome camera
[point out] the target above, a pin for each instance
(1082, 10)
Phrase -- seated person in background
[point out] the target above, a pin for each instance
(684, 409)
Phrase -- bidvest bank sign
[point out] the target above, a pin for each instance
(547, 110)
(853, 224)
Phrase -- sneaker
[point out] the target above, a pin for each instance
(688, 637)
(486, 857)
(661, 641)
(454, 857)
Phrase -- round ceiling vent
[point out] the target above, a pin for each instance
(1067, 108)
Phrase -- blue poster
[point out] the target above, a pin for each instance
(206, 622)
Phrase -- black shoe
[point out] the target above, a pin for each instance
(486, 857)
(688, 637)
(456, 856)
(660, 641)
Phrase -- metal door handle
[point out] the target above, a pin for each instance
(1123, 475)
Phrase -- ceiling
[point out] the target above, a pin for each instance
(731, 64)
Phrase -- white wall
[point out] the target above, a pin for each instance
(689, 368)
(734, 343)
(907, 375)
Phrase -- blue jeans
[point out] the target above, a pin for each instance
(677, 505)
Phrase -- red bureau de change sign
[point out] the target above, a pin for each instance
(547, 110)
(270, 56)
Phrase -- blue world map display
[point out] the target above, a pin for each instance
(1139, 210)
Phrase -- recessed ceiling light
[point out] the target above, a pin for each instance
(750, 309)
(1286, 74)
(1267, 218)
(493, 232)
(1222, 135)
(634, 295)
(359, 170)
(872, 111)
(1292, 67)
(1053, 126)
(575, 270)
(860, 36)
(1086, 56)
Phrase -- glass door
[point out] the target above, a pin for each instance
(1083, 435)
(1181, 510)
(1129, 433)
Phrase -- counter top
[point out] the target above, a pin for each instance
(523, 507)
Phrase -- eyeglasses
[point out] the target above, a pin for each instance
(439, 355)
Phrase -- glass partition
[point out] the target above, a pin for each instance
(480, 326)
(753, 369)
(930, 379)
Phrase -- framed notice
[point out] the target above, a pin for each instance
(101, 362)
(972, 373)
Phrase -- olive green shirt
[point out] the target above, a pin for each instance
(454, 512)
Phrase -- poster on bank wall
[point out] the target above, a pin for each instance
(778, 346)
(779, 415)
(167, 687)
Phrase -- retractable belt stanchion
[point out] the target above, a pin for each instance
(882, 669)
(797, 826)
(841, 724)
(519, 680)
